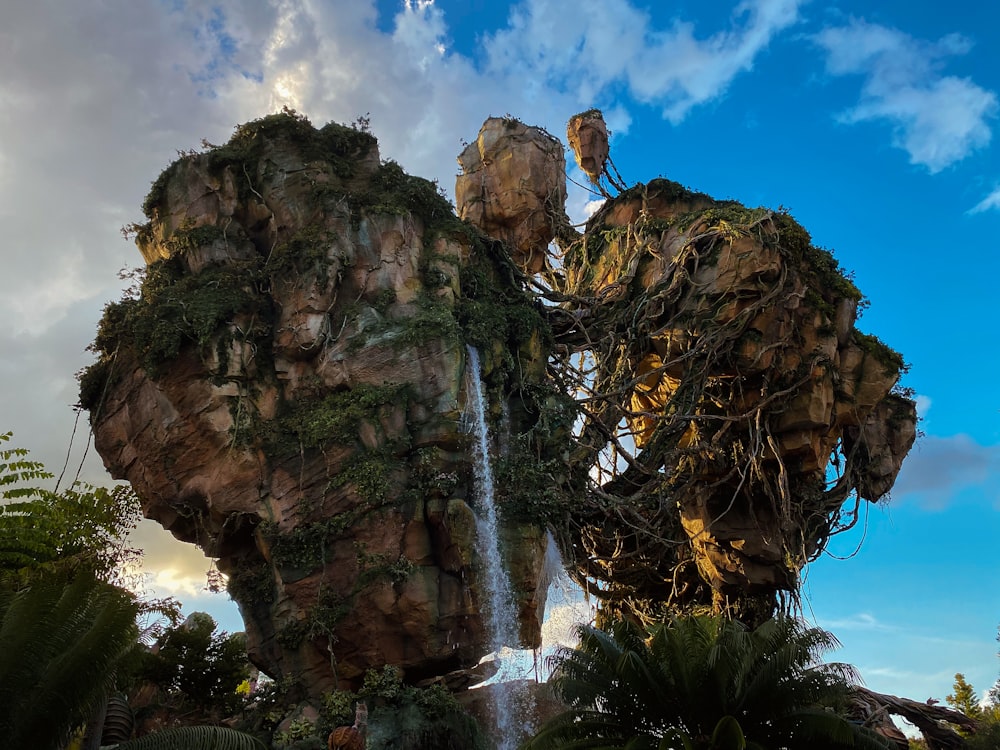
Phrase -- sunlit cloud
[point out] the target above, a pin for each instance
(937, 119)
(176, 583)
(604, 43)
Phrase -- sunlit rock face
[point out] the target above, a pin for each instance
(288, 393)
(750, 405)
(587, 135)
(513, 187)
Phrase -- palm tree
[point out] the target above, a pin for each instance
(64, 626)
(702, 683)
(60, 638)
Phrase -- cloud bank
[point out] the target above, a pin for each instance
(938, 469)
(937, 119)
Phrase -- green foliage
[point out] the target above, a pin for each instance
(176, 309)
(828, 278)
(889, 358)
(305, 547)
(526, 486)
(340, 146)
(698, 683)
(186, 238)
(173, 311)
(987, 736)
(298, 730)
(403, 717)
(192, 738)
(252, 583)
(964, 698)
(203, 666)
(392, 191)
(375, 566)
(337, 418)
(60, 641)
(494, 309)
(305, 252)
(82, 526)
(531, 479)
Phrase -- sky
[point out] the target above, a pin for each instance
(877, 129)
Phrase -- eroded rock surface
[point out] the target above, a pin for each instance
(288, 393)
(513, 187)
(727, 375)
(587, 134)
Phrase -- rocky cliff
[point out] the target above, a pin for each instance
(729, 405)
(287, 391)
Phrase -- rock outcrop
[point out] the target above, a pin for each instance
(288, 394)
(513, 187)
(288, 391)
(587, 134)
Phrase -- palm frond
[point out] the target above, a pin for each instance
(698, 677)
(60, 641)
(192, 738)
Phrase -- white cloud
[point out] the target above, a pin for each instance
(938, 120)
(861, 621)
(923, 405)
(990, 202)
(602, 43)
(96, 99)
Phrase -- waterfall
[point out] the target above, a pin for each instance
(501, 611)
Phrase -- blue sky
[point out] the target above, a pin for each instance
(876, 128)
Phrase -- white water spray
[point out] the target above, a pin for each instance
(502, 613)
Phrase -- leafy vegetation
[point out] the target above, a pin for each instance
(61, 638)
(403, 717)
(80, 527)
(198, 665)
(702, 682)
(964, 698)
(68, 632)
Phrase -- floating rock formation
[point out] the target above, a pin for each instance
(513, 187)
(725, 376)
(587, 134)
(288, 390)
(288, 393)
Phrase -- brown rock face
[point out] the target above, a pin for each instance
(690, 409)
(288, 393)
(726, 376)
(513, 187)
(587, 134)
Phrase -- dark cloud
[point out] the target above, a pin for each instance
(939, 468)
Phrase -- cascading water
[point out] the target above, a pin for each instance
(502, 613)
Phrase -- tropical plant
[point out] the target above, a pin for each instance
(65, 627)
(60, 639)
(702, 683)
(192, 738)
(43, 529)
(199, 666)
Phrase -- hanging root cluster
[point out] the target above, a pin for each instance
(732, 418)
